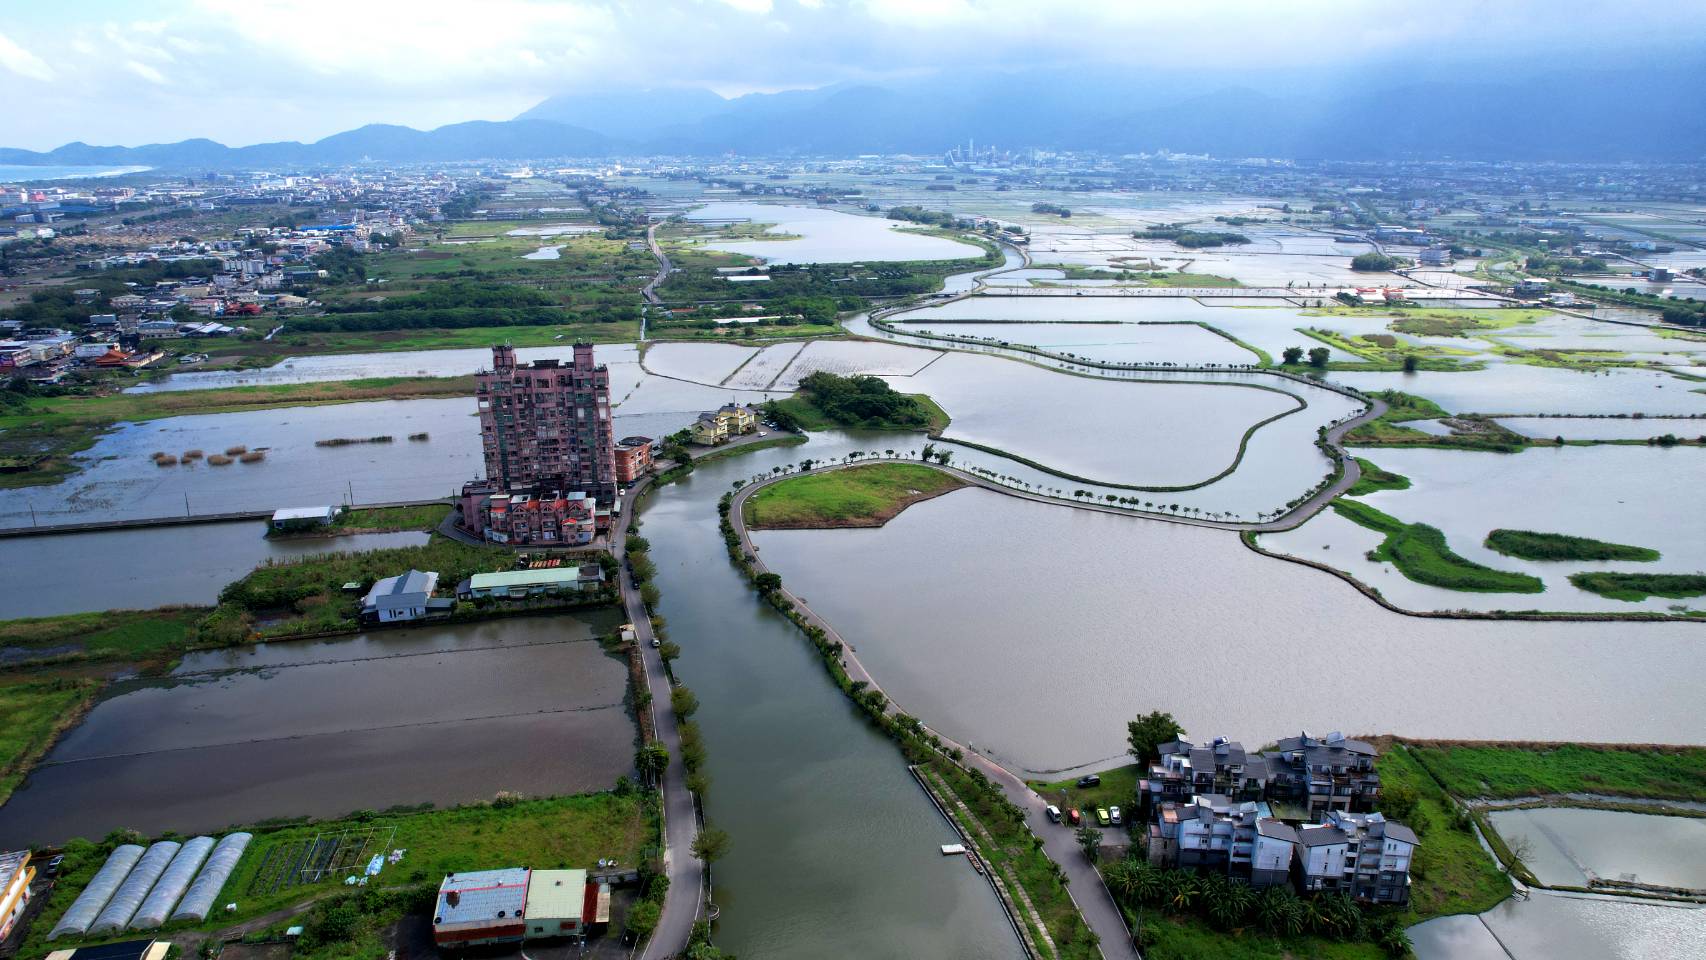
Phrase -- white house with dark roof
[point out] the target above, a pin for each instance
(1362, 854)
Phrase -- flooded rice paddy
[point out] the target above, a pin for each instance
(996, 611)
(1622, 494)
(1569, 846)
(190, 565)
(447, 714)
(818, 235)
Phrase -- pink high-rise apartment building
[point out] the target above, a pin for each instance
(546, 434)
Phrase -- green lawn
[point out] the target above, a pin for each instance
(390, 519)
(1167, 937)
(289, 344)
(1634, 587)
(1118, 788)
(1421, 554)
(867, 495)
(1530, 545)
(112, 635)
(560, 832)
(1450, 872)
(1510, 770)
(1374, 479)
(35, 711)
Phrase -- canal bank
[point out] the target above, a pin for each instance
(828, 829)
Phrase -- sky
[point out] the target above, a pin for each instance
(247, 71)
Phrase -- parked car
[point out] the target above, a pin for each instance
(1102, 816)
(1074, 817)
(52, 868)
(1090, 780)
(1053, 813)
(1114, 816)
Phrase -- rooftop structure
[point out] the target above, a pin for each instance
(481, 907)
(520, 583)
(15, 876)
(406, 596)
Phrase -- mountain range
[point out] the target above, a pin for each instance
(1575, 115)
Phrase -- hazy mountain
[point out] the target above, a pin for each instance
(474, 140)
(627, 115)
(1421, 110)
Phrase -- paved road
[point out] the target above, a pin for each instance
(650, 289)
(681, 822)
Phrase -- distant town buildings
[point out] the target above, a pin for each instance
(550, 458)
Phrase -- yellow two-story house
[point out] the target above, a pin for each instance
(717, 426)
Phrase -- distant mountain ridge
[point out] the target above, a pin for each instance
(1580, 115)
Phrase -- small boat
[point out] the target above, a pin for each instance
(951, 849)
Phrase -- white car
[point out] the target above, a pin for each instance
(1053, 813)
(1114, 816)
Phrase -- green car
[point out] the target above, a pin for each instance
(1102, 816)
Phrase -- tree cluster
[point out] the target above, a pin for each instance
(862, 400)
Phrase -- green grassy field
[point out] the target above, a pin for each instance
(865, 495)
(560, 832)
(390, 519)
(1168, 937)
(1420, 553)
(1450, 873)
(1634, 587)
(1374, 479)
(1118, 788)
(305, 595)
(1530, 545)
(35, 711)
(1520, 770)
(111, 635)
(289, 344)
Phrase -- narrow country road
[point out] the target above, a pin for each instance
(686, 872)
(650, 289)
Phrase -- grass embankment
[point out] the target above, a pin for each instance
(1374, 480)
(1171, 937)
(375, 520)
(305, 596)
(864, 496)
(1469, 433)
(136, 635)
(57, 427)
(1449, 873)
(1508, 770)
(1421, 554)
(36, 713)
(563, 832)
(1530, 545)
(1635, 587)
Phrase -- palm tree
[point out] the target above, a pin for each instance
(1151, 885)
(1181, 891)
(1395, 941)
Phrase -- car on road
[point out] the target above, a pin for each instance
(1090, 780)
(1074, 817)
(1102, 816)
(1115, 817)
(1053, 813)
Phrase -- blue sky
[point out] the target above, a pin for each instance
(244, 71)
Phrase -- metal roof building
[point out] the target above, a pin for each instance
(479, 907)
(519, 583)
(560, 903)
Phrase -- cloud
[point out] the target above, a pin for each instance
(301, 69)
(22, 62)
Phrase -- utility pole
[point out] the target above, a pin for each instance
(186, 504)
